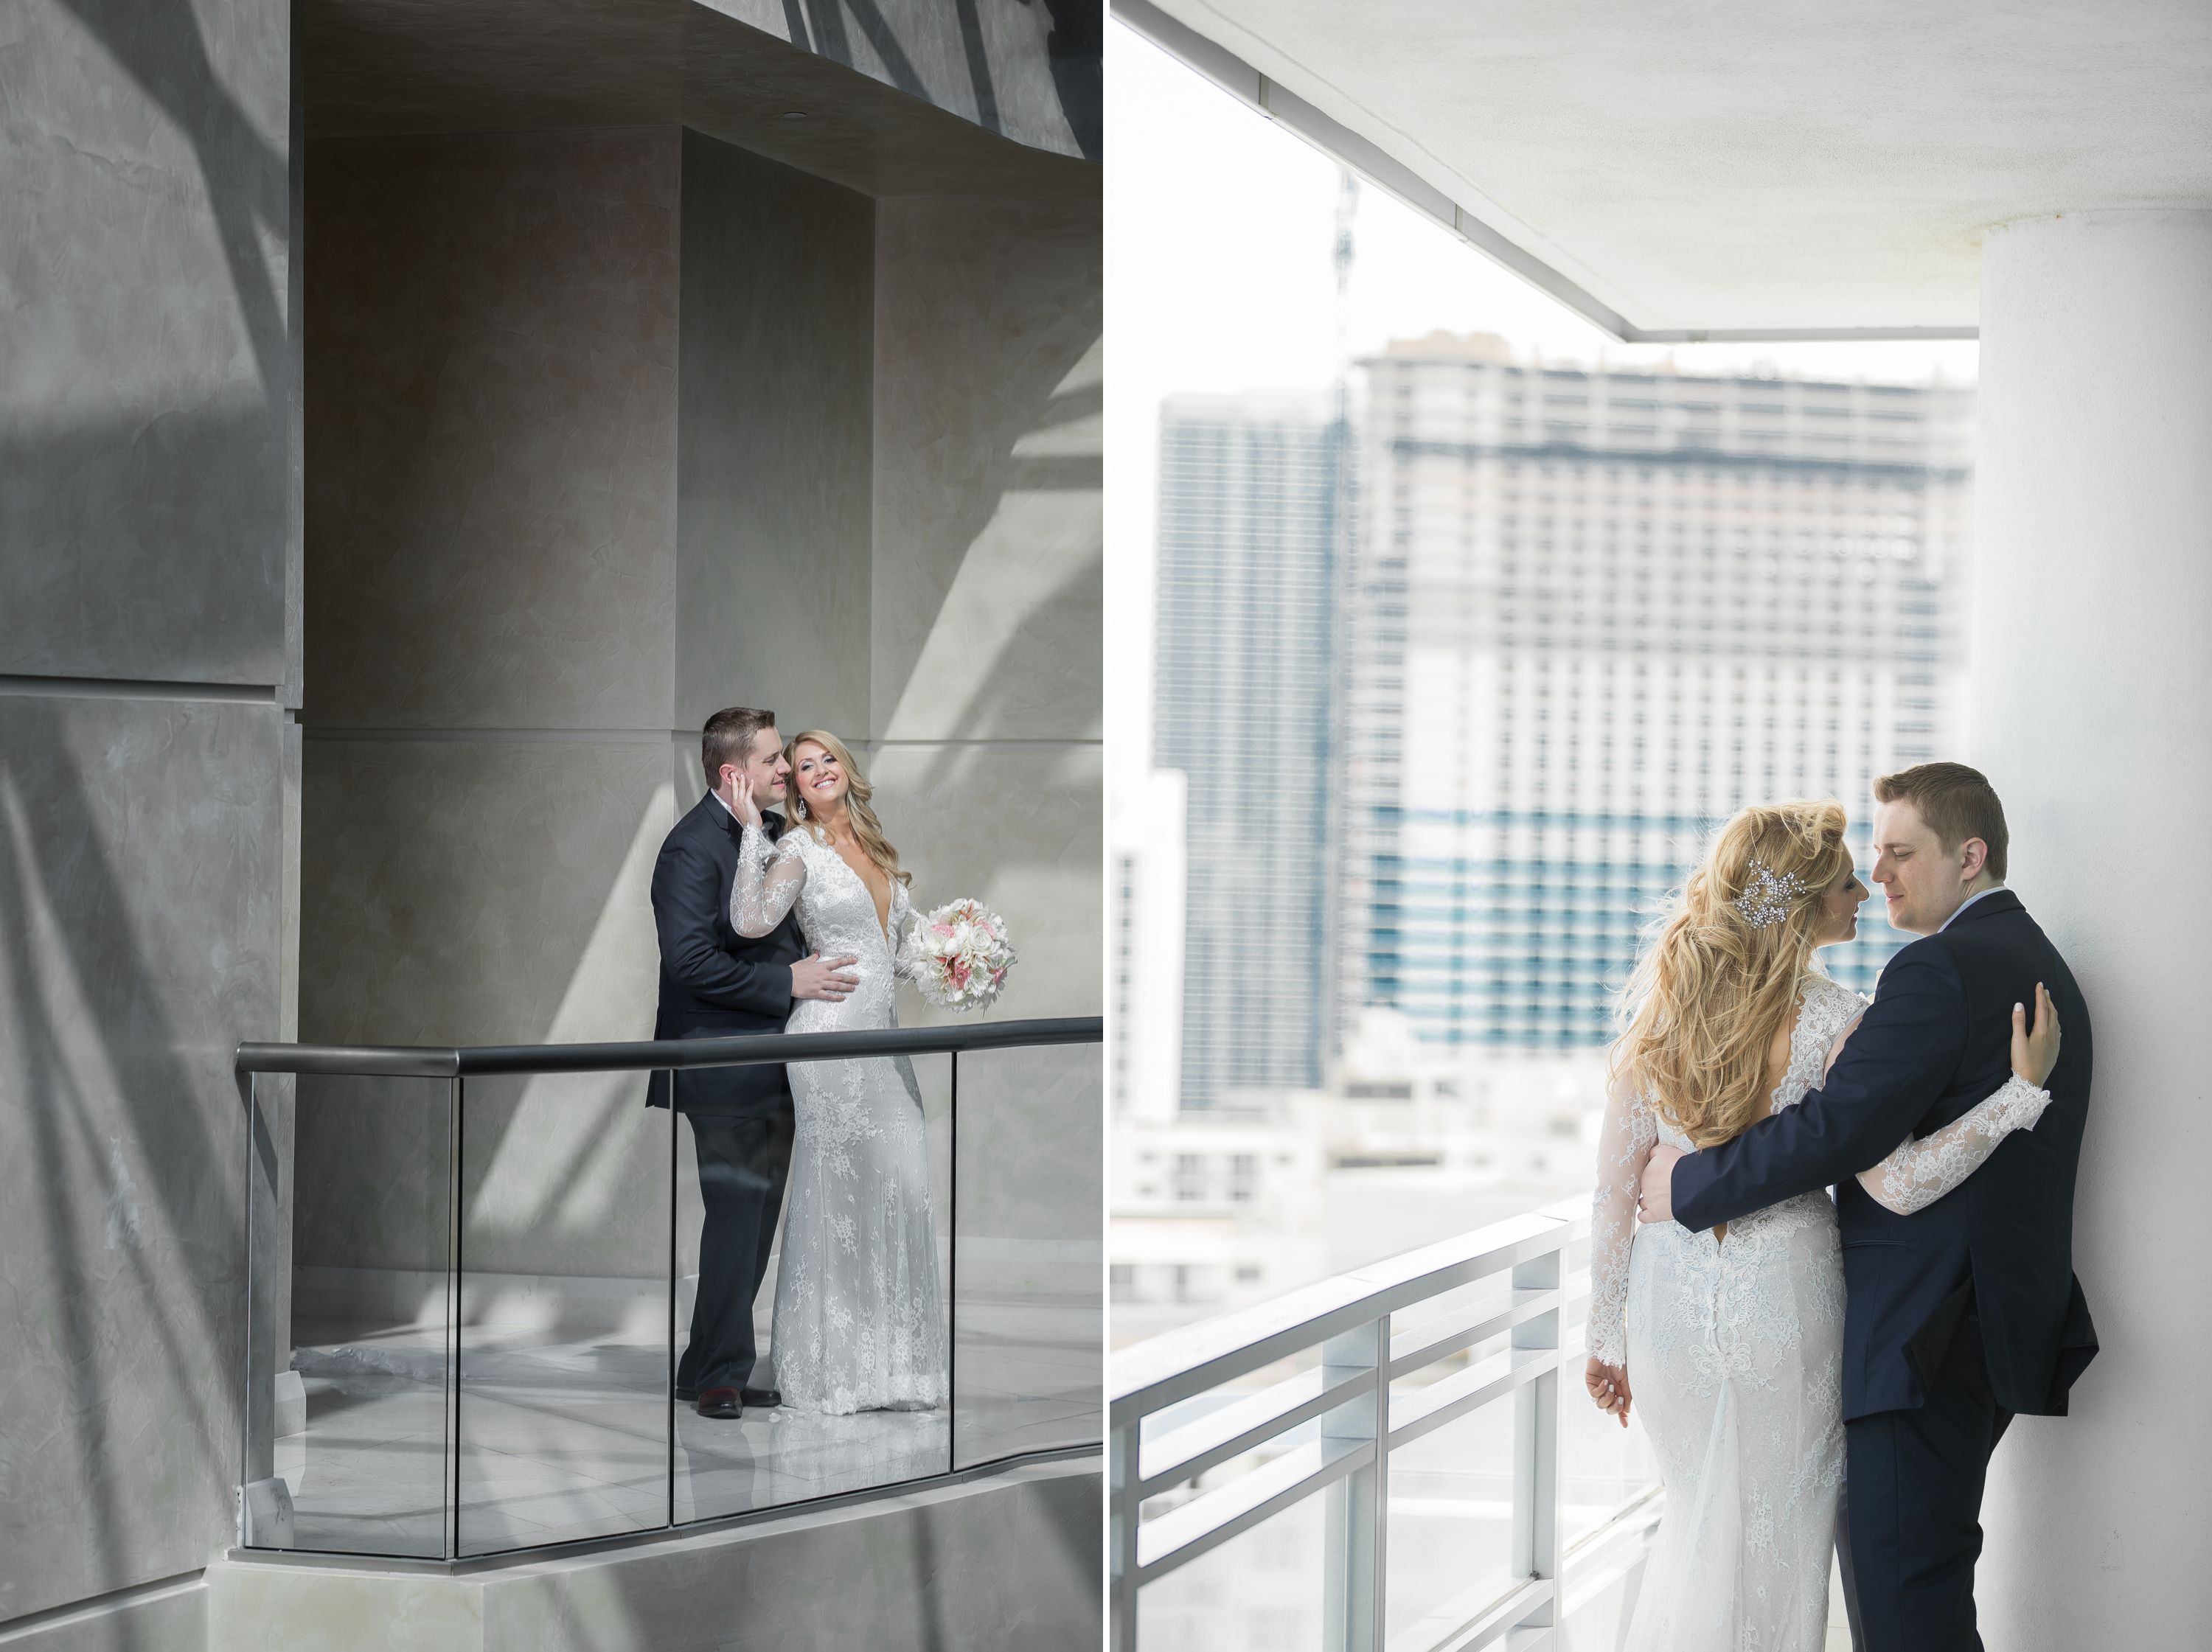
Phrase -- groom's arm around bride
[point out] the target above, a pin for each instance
(1933, 1044)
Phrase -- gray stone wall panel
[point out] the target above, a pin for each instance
(140, 916)
(482, 892)
(988, 597)
(1018, 827)
(775, 430)
(145, 419)
(491, 430)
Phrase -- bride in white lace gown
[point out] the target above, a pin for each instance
(859, 1321)
(1729, 1344)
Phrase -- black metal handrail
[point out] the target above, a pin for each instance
(266, 1516)
(750, 1049)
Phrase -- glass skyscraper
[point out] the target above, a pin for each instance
(1591, 613)
(1251, 488)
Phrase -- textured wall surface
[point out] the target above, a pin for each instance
(145, 380)
(482, 891)
(988, 320)
(491, 430)
(773, 473)
(988, 709)
(491, 627)
(141, 856)
(147, 548)
(987, 688)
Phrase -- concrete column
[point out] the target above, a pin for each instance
(2092, 715)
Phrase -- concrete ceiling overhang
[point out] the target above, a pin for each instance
(393, 67)
(1747, 169)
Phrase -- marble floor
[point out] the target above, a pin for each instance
(563, 1439)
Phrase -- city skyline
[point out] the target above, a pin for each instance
(1570, 621)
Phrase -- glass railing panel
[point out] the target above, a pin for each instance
(367, 1461)
(1451, 1543)
(1264, 1590)
(858, 1285)
(1028, 1319)
(565, 1303)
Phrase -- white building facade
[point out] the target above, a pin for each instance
(1592, 613)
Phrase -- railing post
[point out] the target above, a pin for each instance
(454, 1111)
(673, 1176)
(1123, 1473)
(1355, 1569)
(1536, 1435)
(952, 1263)
(264, 1501)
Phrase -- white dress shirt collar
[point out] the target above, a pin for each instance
(1963, 904)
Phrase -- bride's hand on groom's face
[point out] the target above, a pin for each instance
(743, 804)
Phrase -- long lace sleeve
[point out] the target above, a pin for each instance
(770, 878)
(906, 959)
(1920, 1172)
(1624, 1143)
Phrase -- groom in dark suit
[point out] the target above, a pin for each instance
(1967, 1313)
(715, 983)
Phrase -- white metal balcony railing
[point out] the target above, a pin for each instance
(1211, 1440)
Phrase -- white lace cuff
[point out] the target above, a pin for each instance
(1920, 1172)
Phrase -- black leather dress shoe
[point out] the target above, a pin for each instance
(762, 1398)
(724, 1403)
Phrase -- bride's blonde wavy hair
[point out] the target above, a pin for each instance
(866, 827)
(1706, 999)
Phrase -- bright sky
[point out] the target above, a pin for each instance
(1219, 227)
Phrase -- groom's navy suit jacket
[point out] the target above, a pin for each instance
(714, 982)
(1936, 1040)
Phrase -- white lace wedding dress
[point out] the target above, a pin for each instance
(1734, 1350)
(859, 1321)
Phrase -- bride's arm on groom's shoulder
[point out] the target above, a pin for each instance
(1624, 1142)
(767, 886)
(1920, 1172)
(1892, 1069)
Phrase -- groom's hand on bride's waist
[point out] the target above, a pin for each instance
(816, 976)
(1655, 1199)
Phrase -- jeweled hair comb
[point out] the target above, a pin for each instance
(1767, 896)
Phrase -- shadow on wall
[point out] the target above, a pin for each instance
(99, 513)
(1074, 46)
(140, 872)
(118, 1404)
(160, 46)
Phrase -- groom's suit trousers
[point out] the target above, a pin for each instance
(743, 1163)
(1912, 1510)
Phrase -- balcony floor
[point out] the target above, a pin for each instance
(567, 1439)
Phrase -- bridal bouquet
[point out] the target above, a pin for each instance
(960, 955)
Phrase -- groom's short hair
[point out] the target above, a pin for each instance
(1955, 803)
(728, 737)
